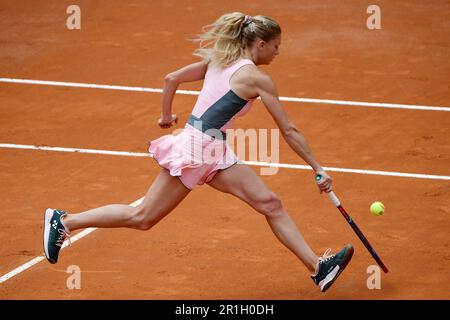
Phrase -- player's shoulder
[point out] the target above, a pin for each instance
(255, 70)
(263, 80)
(255, 74)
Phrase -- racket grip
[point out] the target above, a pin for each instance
(331, 194)
(334, 199)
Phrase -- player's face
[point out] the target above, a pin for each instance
(268, 50)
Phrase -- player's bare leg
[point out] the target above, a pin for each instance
(242, 182)
(163, 196)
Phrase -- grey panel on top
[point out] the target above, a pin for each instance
(222, 111)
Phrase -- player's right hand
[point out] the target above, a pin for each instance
(325, 182)
(166, 122)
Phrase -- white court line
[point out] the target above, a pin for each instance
(252, 163)
(189, 92)
(36, 260)
(85, 232)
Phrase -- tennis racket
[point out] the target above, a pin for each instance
(355, 228)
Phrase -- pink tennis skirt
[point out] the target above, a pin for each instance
(192, 155)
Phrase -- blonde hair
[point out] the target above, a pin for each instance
(225, 41)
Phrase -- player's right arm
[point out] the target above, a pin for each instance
(193, 72)
(268, 92)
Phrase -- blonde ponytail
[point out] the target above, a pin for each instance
(224, 41)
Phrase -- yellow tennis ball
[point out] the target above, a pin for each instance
(377, 208)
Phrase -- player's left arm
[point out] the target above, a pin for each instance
(292, 135)
(192, 72)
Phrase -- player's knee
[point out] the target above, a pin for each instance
(146, 224)
(270, 205)
(142, 219)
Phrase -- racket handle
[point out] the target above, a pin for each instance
(330, 194)
(334, 199)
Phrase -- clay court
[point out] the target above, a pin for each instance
(213, 246)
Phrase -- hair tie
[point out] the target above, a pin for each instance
(247, 20)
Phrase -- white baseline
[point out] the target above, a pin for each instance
(189, 92)
(251, 163)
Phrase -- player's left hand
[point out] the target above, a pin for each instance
(325, 183)
(166, 122)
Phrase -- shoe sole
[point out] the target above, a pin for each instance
(347, 257)
(47, 217)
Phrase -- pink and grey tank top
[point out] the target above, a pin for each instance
(217, 105)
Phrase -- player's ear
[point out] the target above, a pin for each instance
(260, 43)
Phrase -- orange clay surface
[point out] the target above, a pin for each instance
(214, 246)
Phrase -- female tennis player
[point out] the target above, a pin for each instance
(231, 49)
